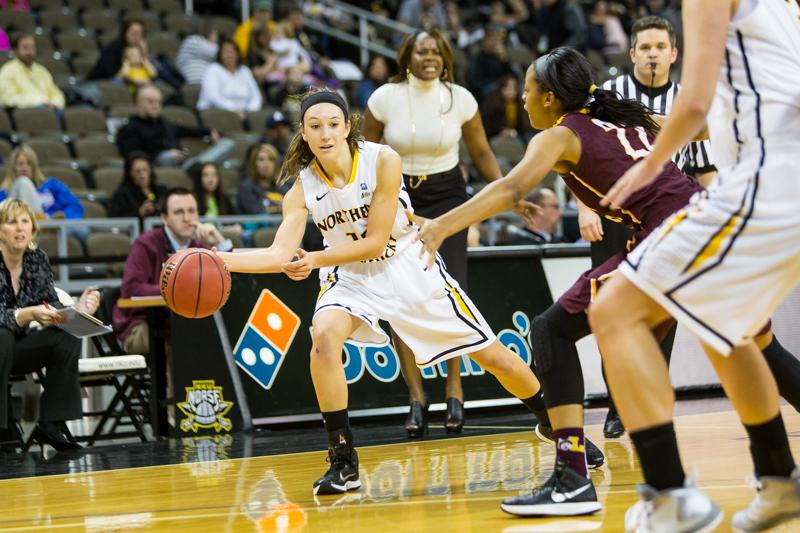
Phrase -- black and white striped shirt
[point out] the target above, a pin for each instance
(696, 156)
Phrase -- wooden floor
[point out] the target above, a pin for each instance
(445, 486)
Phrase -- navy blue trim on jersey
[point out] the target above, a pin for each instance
(756, 176)
(736, 95)
(349, 310)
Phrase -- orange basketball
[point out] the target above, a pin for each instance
(195, 283)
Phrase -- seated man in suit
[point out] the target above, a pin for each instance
(141, 276)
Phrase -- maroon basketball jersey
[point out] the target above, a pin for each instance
(607, 152)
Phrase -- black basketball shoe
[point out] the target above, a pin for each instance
(566, 493)
(342, 475)
(594, 457)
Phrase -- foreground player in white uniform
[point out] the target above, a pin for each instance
(721, 265)
(370, 270)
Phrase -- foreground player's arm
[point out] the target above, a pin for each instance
(287, 239)
(382, 212)
(544, 151)
(705, 33)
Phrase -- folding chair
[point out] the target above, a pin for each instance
(127, 373)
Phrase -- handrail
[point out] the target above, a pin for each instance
(155, 222)
(363, 16)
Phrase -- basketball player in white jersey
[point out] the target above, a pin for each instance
(720, 266)
(369, 270)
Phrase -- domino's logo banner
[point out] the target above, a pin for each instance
(266, 339)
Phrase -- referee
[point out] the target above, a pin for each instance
(653, 51)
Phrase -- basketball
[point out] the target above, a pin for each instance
(195, 283)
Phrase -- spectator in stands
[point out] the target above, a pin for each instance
(197, 52)
(260, 13)
(132, 33)
(139, 192)
(211, 199)
(16, 5)
(26, 287)
(5, 42)
(289, 53)
(136, 69)
(151, 133)
(259, 193)
(554, 23)
(542, 227)
(229, 85)
(377, 75)
(26, 83)
(489, 64)
(502, 111)
(142, 273)
(606, 34)
(47, 197)
(278, 132)
(422, 14)
(260, 57)
(110, 60)
(517, 12)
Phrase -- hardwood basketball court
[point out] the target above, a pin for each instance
(446, 486)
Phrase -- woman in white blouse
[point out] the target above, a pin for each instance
(227, 84)
(422, 114)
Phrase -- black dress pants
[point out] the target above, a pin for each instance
(57, 352)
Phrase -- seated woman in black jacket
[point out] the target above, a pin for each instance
(26, 291)
(138, 194)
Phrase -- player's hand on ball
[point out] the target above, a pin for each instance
(590, 224)
(301, 265)
(432, 234)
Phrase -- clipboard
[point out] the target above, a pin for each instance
(80, 324)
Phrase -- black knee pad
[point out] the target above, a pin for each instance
(552, 338)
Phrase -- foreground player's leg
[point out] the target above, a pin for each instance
(569, 491)
(331, 329)
(749, 384)
(639, 380)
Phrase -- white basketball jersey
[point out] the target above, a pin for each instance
(757, 102)
(341, 214)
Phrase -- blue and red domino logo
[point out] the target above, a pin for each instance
(266, 339)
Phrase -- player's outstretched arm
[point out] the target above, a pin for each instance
(544, 151)
(705, 33)
(287, 239)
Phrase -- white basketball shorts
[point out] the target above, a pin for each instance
(426, 308)
(723, 264)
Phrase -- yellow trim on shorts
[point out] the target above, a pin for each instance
(713, 246)
(676, 219)
(460, 301)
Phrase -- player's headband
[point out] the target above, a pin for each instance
(327, 97)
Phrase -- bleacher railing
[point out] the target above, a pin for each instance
(128, 226)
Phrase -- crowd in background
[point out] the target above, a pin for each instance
(254, 69)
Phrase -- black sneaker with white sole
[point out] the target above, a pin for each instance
(594, 457)
(342, 475)
(566, 493)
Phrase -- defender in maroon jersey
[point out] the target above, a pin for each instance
(591, 138)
